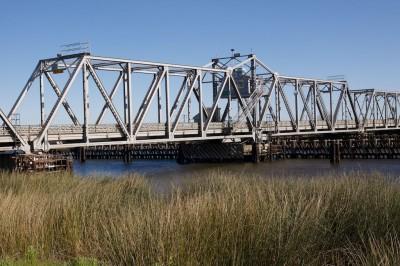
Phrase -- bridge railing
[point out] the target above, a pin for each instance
(232, 97)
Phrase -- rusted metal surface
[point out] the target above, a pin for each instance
(35, 162)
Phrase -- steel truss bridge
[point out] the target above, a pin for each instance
(232, 99)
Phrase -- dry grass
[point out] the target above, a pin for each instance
(217, 219)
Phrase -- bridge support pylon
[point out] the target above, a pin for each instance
(82, 154)
(127, 155)
(255, 152)
(335, 152)
(210, 151)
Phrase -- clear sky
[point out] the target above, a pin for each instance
(359, 39)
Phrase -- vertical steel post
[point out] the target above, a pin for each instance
(277, 107)
(125, 88)
(167, 105)
(128, 98)
(125, 85)
(229, 103)
(345, 108)
(253, 89)
(201, 114)
(331, 105)
(259, 111)
(385, 100)
(85, 80)
(296, 102)
(315, 106)
(188, 109)
(367, 102)
(214, 81)
(42, 111)
(159, 106)
(42, 114)
(395, 110)
(373, 99)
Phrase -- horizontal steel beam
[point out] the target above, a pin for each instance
(268, 104)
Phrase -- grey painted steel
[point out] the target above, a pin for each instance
(25, 90)
(66, 105)
(275, 105)
(112, 93)
(18, 139)
(86, 104)
(37, 142)
(109, 103)
(148, 99)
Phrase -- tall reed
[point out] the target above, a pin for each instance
(215, 219)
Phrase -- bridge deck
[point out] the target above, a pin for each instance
(238, 92)
(59, 135)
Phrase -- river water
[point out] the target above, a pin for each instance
(164, 173)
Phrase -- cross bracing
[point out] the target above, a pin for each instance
(232, 99)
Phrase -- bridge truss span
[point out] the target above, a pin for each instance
(234, 98)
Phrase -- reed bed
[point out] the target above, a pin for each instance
(218, 219)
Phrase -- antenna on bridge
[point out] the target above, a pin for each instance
(16, 119)
(336, 78)
(76, 47)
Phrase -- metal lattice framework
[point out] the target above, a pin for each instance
(377, 109)
(233, 98)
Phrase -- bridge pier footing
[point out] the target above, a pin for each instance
(211, 151)
(335, 152)
(255, 152)
(82, 154)
(127, 155)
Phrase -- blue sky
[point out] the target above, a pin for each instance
(359, 39)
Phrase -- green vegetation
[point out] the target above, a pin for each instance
(58, 219)
(31, 258)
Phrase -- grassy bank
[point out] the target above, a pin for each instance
(217, 219)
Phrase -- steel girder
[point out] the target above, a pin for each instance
(377, 109)
(254, 100)
(294, 102)
(19, 141)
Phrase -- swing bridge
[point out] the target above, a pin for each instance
(234, 99)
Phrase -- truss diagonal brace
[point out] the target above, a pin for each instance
(185, 100)
(57, 105)
(113, 91)
(306, 107)
(14, 132)
(292, 119)
(109, 103)
(379, 108)
(178, 97)
(267, 100)
(147, 101)
(370, 101)
(242, 103)
(24, 91)
(304, 111)
(64, 103)
(214, 107)
(353, 108)
(203, 107)
(337, 108)
(322, 108)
